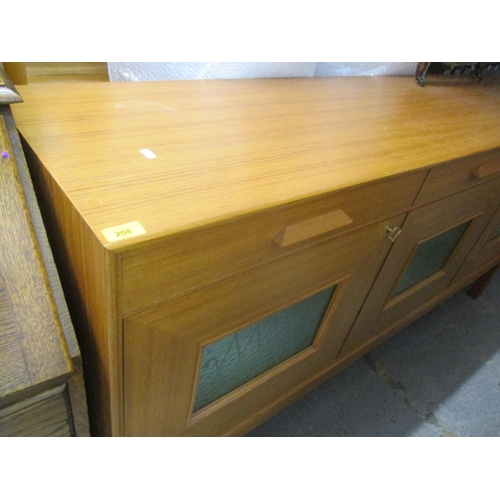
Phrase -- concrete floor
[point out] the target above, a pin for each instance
(438, 377)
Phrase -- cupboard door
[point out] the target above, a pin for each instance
(486, 252)
(434, 242)
(217, 360)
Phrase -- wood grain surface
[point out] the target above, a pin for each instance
(44, 415)
(455, 176)
(16, 72)
(76, 383)
(14, 373)
(64, 72)
(475, 206)
(197, 258)
(33, 347)
(162, 346)
(229, 147)
(236, 162)
(23, 73)
(487, 249)
(88, 276)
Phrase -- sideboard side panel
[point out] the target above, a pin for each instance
(88, 275)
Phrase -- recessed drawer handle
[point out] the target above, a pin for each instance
(487, 169)
(312, 227)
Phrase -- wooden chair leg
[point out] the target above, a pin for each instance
(481, 283)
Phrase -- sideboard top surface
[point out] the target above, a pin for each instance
(230, 147)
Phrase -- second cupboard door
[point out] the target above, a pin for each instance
(432, 245)
(486, 252)
(218, 360)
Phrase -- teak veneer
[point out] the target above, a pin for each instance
(262, 193)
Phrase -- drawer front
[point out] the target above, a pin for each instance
(45, 415)
(210, 361)
(198, 258)
(458, 175)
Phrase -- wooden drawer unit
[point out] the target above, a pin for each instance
(457, 175)
(276, 221)
(167, 269)
(45, 415)
(41, 384)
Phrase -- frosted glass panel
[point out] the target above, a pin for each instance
(430, 257)
(238, 358)
(496, 233)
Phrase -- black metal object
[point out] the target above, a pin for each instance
(476, 70)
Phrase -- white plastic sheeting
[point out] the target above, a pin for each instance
(140, 71)
(365, 68)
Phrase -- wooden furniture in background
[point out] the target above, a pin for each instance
(188, 270)
(22, 73)
(42, 390)
(16, 72)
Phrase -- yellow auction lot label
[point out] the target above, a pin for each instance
(124, 231)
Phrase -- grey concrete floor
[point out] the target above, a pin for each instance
(438, 377)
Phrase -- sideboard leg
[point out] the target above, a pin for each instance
(481, 283)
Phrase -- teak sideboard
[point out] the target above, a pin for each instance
(227, 245)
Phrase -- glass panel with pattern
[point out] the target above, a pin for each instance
(496, 233)
(232, 361)
(430, 257)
